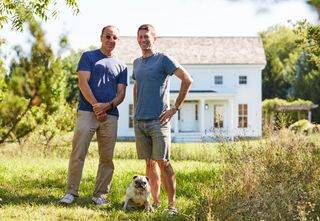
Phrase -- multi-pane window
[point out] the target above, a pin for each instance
(242, 79)
(243, 116)
(131, 116)
(218, 116)
(218, 80)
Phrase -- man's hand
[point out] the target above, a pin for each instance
(166, 115)
(99, 108)
(100, 111)
(102, 117)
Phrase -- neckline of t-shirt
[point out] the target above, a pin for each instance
(153, 54)
(107, 56)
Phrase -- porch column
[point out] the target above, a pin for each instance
(201, 116)
(309, 115)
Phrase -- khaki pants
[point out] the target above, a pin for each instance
(86, 126)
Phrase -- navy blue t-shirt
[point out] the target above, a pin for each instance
(106, 73)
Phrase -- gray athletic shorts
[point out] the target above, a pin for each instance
(152, 139)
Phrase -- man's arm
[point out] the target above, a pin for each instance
(100, 108)
(186, 82)
(134, 96)
(83, 79)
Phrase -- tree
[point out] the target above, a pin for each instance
(281, 54)
(17, 12)
(307, 76)
(36, 92)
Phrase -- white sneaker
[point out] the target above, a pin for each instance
(99, 201)
(67, 199)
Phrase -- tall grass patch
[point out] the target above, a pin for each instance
(278, 179)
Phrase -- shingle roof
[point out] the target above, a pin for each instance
(200, 50)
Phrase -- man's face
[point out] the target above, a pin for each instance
(109, 39)
(146, 39)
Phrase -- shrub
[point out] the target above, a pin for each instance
(302, 126)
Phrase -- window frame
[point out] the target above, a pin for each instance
(243, 115)
(241, 81)
(218, 80)
(130, 116)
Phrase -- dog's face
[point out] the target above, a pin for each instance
(141, 182)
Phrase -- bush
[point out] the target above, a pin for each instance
(302, 126)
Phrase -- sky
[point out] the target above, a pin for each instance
(170, 17)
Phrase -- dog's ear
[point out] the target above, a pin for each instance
(135, 177)
(147, 178)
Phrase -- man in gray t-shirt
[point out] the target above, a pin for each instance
(152, 77)
(151, 74)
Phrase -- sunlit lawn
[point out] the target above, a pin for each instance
(31, 186)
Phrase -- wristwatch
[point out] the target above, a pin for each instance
(111, 104)
(176, 108)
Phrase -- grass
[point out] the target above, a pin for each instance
(31, 187)
(276, 178)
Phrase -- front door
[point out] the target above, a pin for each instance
(187, 117)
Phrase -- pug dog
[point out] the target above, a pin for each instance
(138, 194)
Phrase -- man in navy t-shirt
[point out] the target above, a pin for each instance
(102, 83)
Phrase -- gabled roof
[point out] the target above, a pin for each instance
(200, 50)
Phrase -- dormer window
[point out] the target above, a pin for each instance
(218, 80)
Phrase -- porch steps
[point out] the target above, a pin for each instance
(187, 137)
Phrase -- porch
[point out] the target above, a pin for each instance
(203, 116)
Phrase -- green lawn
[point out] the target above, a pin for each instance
(276, 178)
(31, 187)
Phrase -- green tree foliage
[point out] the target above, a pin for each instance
(69, 64)
(18, 12)
(281, 54)
(36, 92)
(315, 4)
(307, 77)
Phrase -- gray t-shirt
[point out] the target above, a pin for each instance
(152, 81)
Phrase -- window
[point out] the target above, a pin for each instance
(242, 79)
(218, 80)
(131, 116)
(218, 116)
(243, 116)
(196, 112)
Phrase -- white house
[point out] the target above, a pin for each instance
(225, 98)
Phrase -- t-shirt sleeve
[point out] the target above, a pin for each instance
(123, 76)
(170, 64)
(133, 73)
(84, 63)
